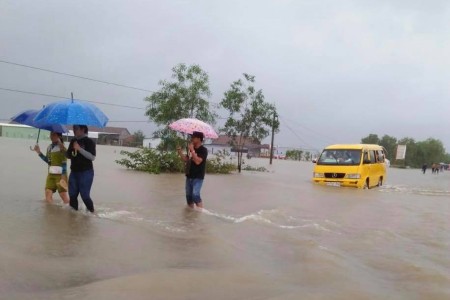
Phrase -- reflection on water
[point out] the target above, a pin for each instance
(272, 235)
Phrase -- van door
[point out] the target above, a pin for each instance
(374, 168)
(366, 166)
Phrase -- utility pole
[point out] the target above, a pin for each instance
(273, 135)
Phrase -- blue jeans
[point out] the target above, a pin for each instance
(193, 187)
(81, 183)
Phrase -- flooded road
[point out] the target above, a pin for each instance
(272, 235)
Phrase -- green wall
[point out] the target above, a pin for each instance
(23, 133)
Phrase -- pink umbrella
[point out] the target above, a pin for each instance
(189, 125)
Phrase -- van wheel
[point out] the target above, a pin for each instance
(366, 184)
(380, 181)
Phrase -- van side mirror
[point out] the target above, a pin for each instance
(314, 161)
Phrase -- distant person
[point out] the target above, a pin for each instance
(82, 153)
(424, 168)
(195, 161)
(434, 168)
(57, 168)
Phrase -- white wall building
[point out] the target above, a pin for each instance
(151, 143)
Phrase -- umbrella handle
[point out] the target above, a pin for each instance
(74, 153)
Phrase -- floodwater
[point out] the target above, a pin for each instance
(272, 235)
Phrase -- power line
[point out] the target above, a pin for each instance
(62, 97)
(214, 104)
(316, 134)
(301, 140)
(75, 76)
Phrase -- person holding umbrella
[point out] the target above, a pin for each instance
(195, 161)
(57, 168)
(81, 152)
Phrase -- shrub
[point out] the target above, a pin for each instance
(257, 169)
(157, 161)
(152, 161)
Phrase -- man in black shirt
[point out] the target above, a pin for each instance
(81, 152)
(195, 169)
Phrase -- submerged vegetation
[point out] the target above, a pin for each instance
(158, 161)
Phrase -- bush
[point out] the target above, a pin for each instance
(152, 161)
(156, 161)
(258, 169)
(218, 164)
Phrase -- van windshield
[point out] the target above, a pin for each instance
(340, 157)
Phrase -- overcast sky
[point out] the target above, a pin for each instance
(336, 70)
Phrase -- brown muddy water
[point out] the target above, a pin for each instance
(272, 235)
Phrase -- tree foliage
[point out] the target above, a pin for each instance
(417, 153)
(250, 116)
(186, 96)
(308, 156)
(371, 139)
(390, 144)
(138, 138)
(294, 154)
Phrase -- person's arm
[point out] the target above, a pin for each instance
(89, 151)
(182, 156)
(42, 156)
(198, 158)
(69, 151)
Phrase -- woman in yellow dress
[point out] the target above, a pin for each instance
(57, 168)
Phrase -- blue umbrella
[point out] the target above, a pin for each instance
(27, 118)
(71, 112)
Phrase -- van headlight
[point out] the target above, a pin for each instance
(318, 175)
(353, 176)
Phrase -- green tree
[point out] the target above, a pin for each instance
(371, 139)
(390, 144)
(433, 151)
(138, 138)
(417, 153)
(294, 154)
(250, 116)
(186, 96)
(308, 156)
(412, 156)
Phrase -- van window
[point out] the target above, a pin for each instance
(366, 156)
(372, 156)
(349, 157)
(381, 156)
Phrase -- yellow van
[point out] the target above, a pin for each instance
(353, 165)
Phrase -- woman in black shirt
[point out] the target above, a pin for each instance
(81, 152)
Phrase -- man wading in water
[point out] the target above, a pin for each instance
(195, 168)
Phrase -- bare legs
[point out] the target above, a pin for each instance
(49, 196)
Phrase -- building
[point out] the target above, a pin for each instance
(151, 143)
(104, 136)
(119, 136)
(22, 132)
(224, 142)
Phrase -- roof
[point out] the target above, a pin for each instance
(110, 130)
(354, 146)
(224, 140)
(15, 125)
